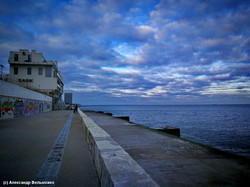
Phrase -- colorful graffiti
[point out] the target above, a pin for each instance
(47, 106)
(7, 108)
(15, 107)
(31, 107)
(18, 107)
(41, 107)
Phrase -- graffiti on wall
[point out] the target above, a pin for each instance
(47, 106)
(31, 107)
(41, 107)
(18, 104)
(7, 108)
(15, 107)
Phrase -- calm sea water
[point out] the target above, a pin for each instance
(226, 127)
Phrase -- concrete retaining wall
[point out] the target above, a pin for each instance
(12, 90)
(114, 165)
(18, 101)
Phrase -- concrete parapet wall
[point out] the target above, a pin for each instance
(115, 167)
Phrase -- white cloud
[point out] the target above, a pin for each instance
(137, 48)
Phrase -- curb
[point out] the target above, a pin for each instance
(115, 167)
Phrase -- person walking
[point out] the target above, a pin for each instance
(75, 108)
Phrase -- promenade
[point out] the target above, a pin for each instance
(25, 143)
(53, 146)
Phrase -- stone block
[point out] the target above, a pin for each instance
(124, 117)
(171, 130)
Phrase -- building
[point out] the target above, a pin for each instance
(33, 71)
(68, 98)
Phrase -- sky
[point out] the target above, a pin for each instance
(150, 52)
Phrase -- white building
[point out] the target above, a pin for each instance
(32, 70)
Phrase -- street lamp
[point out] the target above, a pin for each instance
(1, 66)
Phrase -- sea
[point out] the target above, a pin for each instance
(225, 127)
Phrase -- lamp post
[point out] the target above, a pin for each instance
(1, 66)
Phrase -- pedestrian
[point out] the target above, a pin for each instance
(75, 108)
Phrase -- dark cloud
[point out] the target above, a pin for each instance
(24, 8)
(137, 51)
(242, 70)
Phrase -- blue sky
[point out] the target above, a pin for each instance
(137, 51)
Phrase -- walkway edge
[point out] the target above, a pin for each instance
(115, 167)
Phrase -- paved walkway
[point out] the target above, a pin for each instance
(26, 141)
(171, 161)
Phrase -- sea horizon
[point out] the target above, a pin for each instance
(157, 104)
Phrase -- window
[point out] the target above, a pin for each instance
(54, 74)
(40, 71)
(29, 71)
(29, 58)
(48, 71)
(15, 57)
(15, 70)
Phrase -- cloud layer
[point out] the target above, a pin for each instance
(138, 52)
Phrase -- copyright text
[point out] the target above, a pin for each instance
(5, 183)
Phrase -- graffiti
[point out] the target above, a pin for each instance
(18, 107)
(7, 108)
(44, 106)
(15, 107)
(47, 106)
(41, 107)
(31, 107)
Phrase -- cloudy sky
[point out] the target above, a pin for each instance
(137, 51)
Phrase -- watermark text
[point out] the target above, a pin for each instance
(12, 182)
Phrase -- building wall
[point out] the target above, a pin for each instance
(39, 81)
(23, 55)
(50, 82)
(17, 101)
(24, 59)
(36, 57)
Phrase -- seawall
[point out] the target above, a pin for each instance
(159, 158)
(17, 101)
(115, 167)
